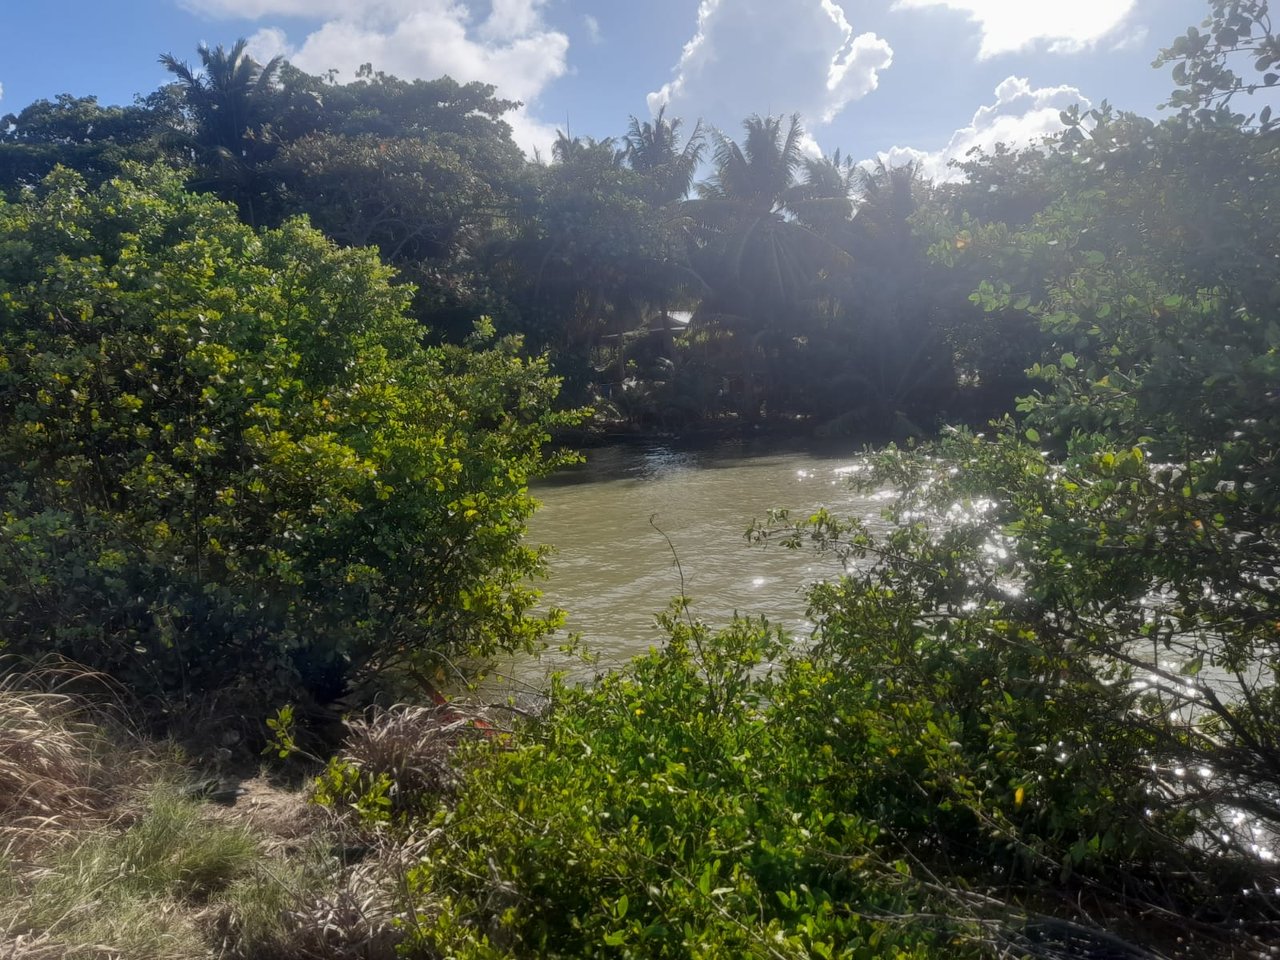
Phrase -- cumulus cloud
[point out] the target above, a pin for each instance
(1132, 39)
(512, 47)
(268, 43)
(1021, 115)
(1064, 26)
(772, 56)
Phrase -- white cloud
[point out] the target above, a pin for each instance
(268, 43)
(809, 146)
(512, 48)
(592, 26)
(772, 56)
(1021, 115)
(1132, 39)
(1, 91)
(512, 19)
(1065, 26)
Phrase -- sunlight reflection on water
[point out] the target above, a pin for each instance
(613, 571)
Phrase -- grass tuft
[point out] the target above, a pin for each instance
(133, 888)
(102, 856)
(412, 745)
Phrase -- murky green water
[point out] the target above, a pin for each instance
(614, 571)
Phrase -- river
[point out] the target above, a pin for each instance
(613, 571)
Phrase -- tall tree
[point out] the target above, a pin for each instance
(653, 150)
(81, 134)
(760, 261)
(900, 330)
(228, 99)
(593, 254)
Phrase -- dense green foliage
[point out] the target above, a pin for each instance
(1039, 718)
(903, 787)
(228, 459)
(800, 308)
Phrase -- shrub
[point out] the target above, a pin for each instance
(226, 457)
(395, 764)
(675, 810)
(906, 785)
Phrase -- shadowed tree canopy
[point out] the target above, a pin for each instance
(653, 149)
(228, 96)
(231, 111)
(81, 133)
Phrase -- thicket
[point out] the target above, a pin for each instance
(229, 465)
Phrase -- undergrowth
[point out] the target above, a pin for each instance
(104, 854)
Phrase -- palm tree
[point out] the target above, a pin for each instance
(764, 241)
(823, 201)
(900, 326)
(653, 150)
(228, 100)
(761, 171)
(227, 96)
(889, 195)
(597, 256)
(585, 152)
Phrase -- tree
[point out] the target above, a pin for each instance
(760, 262)
(426, 210)
(228, 100)
(81, 134)
(896, 311)
(1121, 532)
(230, 465)
(426, 170)
(591, 255)
(653, 150)
(465, 118)
(1206, 64)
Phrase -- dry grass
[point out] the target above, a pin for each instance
(412, 745)
(360, 915)
(101, 857)
(62, 766)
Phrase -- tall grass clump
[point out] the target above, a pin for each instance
(104, 855)
(62, 766)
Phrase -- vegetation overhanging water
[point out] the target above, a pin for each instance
(261, 489)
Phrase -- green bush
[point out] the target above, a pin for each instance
(680, 809)
(907, 785)
(227, 458)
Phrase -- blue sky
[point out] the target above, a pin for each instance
(897, 78)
